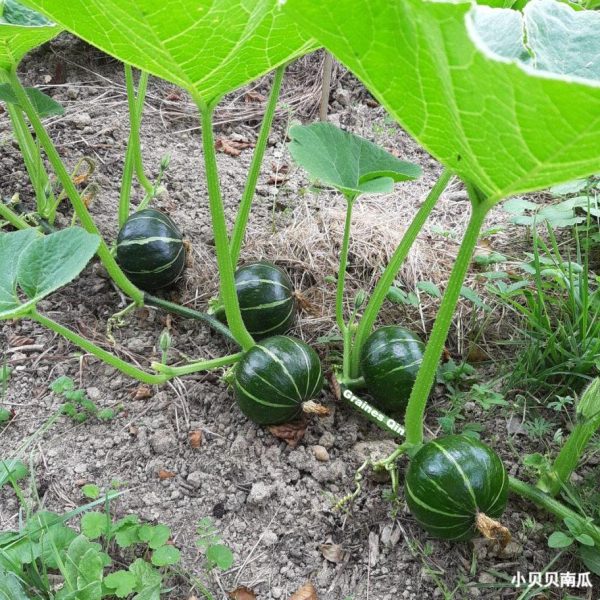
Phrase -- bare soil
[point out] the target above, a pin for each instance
(273, 504)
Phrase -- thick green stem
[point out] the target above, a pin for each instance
(341, 280)
(587, 423)
(194, 367)
(568, 457)
(29, 150)
(32, 159)
(418, 398)
(86, 220)
(100, 353)
(239, 228)
(14, 219)
(387, 279)
(553, 506)
(133, 156)
(226, 271)
(190, 313)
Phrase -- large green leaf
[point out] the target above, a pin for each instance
(347, 162)
(21, 30)
(459, 88)
(55, 260)
(209, 47)
(12, 246)
(39, 265)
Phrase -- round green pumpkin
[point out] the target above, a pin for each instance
(390, 360)
(452, 479)
(266, 297)
(275, 377)
(150, 250)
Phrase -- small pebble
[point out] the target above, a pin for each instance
(321, 453)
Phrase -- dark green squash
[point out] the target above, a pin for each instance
(150, 250)
(275, 378)
(390, 361)
(266, 297)
(455, 485)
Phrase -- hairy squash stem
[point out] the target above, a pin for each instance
(586, 424)
(553, 506)
(31, 156)
(190, 313)
(90, 347)
(14, 219)
(341, 280)
(194, 367)
(87, 222)
(341, 283)
(239, 228)
(226, 270)
(386, 280)
(164, 372)
(415, 409)
(133, 156)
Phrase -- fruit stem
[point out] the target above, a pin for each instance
(310, 407)
(492, 529)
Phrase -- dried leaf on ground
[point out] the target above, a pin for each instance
(242, 593)
(16, 341)
(142, 392)
(164, 474)
(230, 147)
(332, 552)
(292, 433)
(195, 439)
(306, 592)
(277, 179)
(253, 96)
(280, 168)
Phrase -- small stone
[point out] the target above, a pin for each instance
(72, 93)
(259, 493)
(80, 468)
(374, 450)
(487, 578)
(81, 120)
(321, 453)
(196, 478)
(93, 393)
(342, 96)
(276, 593)
(161, 443)
(269, 538)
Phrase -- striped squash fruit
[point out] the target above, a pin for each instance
(266, 297)
(276, 378)
(455, 486)
(390, 360)
(150, 250)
